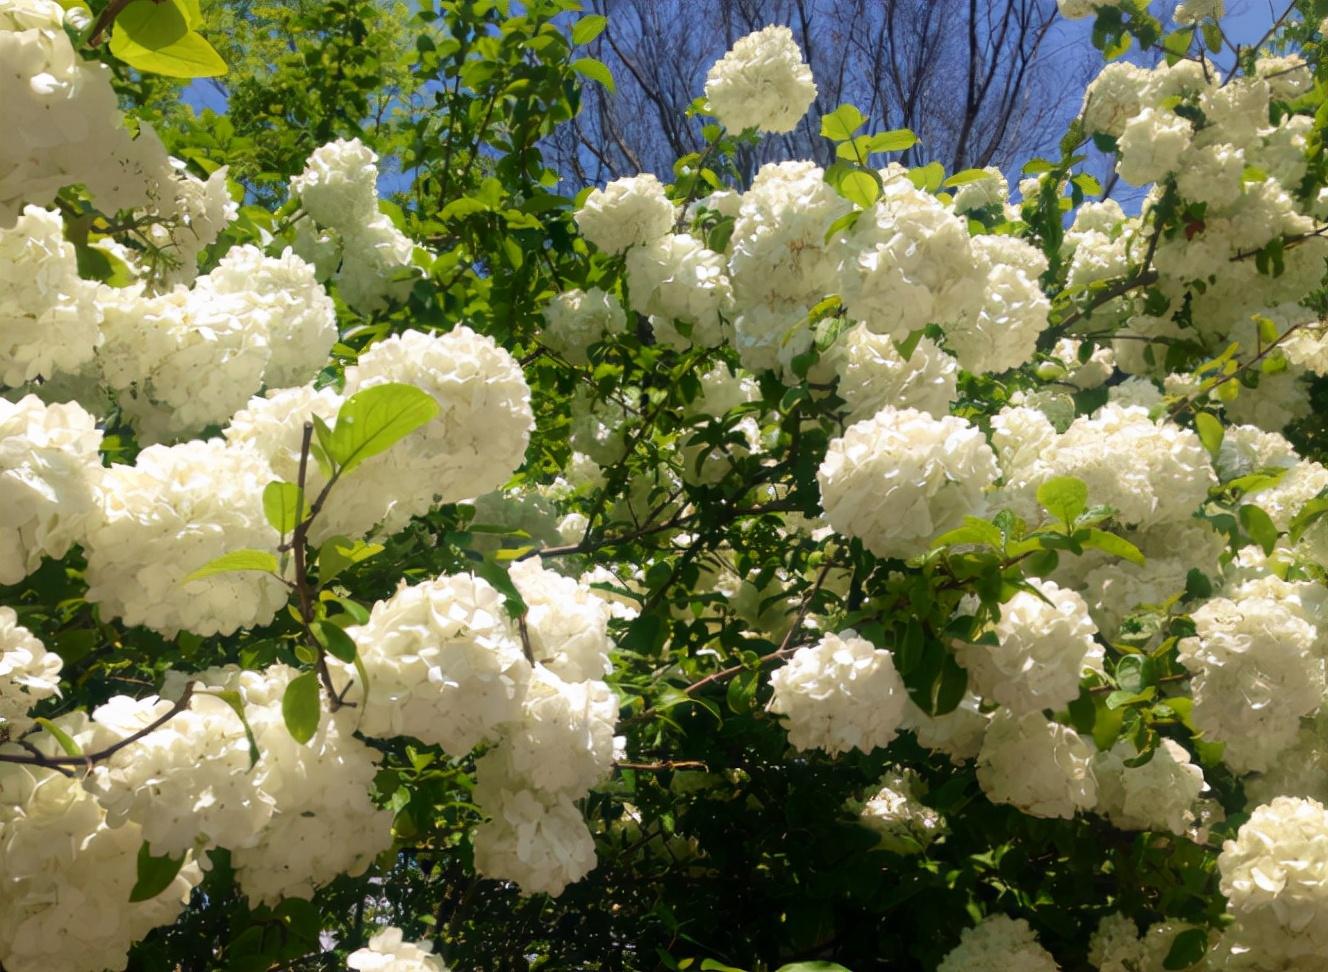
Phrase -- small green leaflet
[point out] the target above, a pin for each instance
(283, 506)
(155, 874)
(237, 560)
(1064, 497)
(1187, 948)
(1112, 544)
(588, 28)
(589, 67)
(66, 741)
(334, 640)
(301, 707)
(1210, 431)
(1259, 525)
(840, 124)
(373, 420)
(339, 552)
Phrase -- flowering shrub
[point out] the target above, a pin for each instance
(857, 567)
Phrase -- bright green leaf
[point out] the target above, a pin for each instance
(334, 640)
(841, 123)
(283, 506)
(339, 552)
(1259, 525)
(588, 28)
(66, 741)
(301, 707)
(237, 560)
(373, 420)
(589, 67)
(1114, 545)
(966, 176)
(860, 188)
(1210, 431)
(155, 874)
(1064, 497)
(896, 140)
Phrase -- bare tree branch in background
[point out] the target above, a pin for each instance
(979, 81)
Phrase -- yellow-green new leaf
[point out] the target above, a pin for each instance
(237, 560)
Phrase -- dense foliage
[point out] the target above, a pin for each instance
(407, 557)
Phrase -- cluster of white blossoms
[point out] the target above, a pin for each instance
(1275, 877)
(447, 665)
(49, 473)
(898, 479)
(903, 824)
(65, 872)
(761, 83)
(872, 374)
(28, 674)
(1117, 946)
(998, 944)
(1043, 768)
(625, 213)
(388, 951)
(576, 319)
(839, 694)
(371, 258)
(1159, 795)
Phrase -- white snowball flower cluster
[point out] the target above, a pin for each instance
(1117, 946)
(958, 733)
(1043, 768)
(64, 900)
(321, 820)
(339, 190)
(1046, 642)
(175, 510)
(908, 262)
(474, 443)
(839, 694)
(1000, 331)
(49, 469)
(1275, 877)
(1192, 11)
(894, 813)
(998, 944)
(676, 278)
(568, 622)
(873, 374)
(48, 314)
(387, 951)
(28, 674)
(1257, 670)
(576, 319)
(1159, 795)
(444, 662)
(64, 119)
(761, 83)
(898, 479)
(190, 358)
(626, 212)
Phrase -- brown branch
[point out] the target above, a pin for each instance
(87, 759)
(105, 19)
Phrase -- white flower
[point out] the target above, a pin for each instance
(990, 190)
(1257, 670)
(1152, 145)
(28, 674)
(1275, 877)
(175, 510)
(1192, 11)
(1045, 644)
(1114, 97)
(839, 694)
(1043, 768)
(339, 184)
(538, 841)
(388, 952)
(445, 664)
(567, 622)
(576, 319)
(48, 315)
(762, 83)
(958, 733)
(1159, 795)
(49, 467)
(873, 374)
(902, 477)
(474, 443)
(998, 944)
(1001, 330)
(625, 213)
(905, 825)
(376, 262)
(676, 278)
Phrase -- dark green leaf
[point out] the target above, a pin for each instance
(1259, 526)
(301, 707)
(1186, 949)
(155, 874)
(334, 640)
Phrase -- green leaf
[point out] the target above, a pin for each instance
(1309, 514)
(860, 188)
(155, 874)
(1114, 545)
(927, 178)
(335, 641)
(237, 560)
(66, 741)
(907, 346)
(236, 702)
(301, 707)
(373, 420)
(965, 176)
(1210, 431)
(1259, 526)
(1134, 673)
(973, 531)
(1186, 949)
(156, 38)
(895, 140)
(589, 67)
(710, 965)
(1064, 497)
(588, 28)
(841, 123)
(322, 445)
(283, 506)
(339, 552)
(813, 967)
